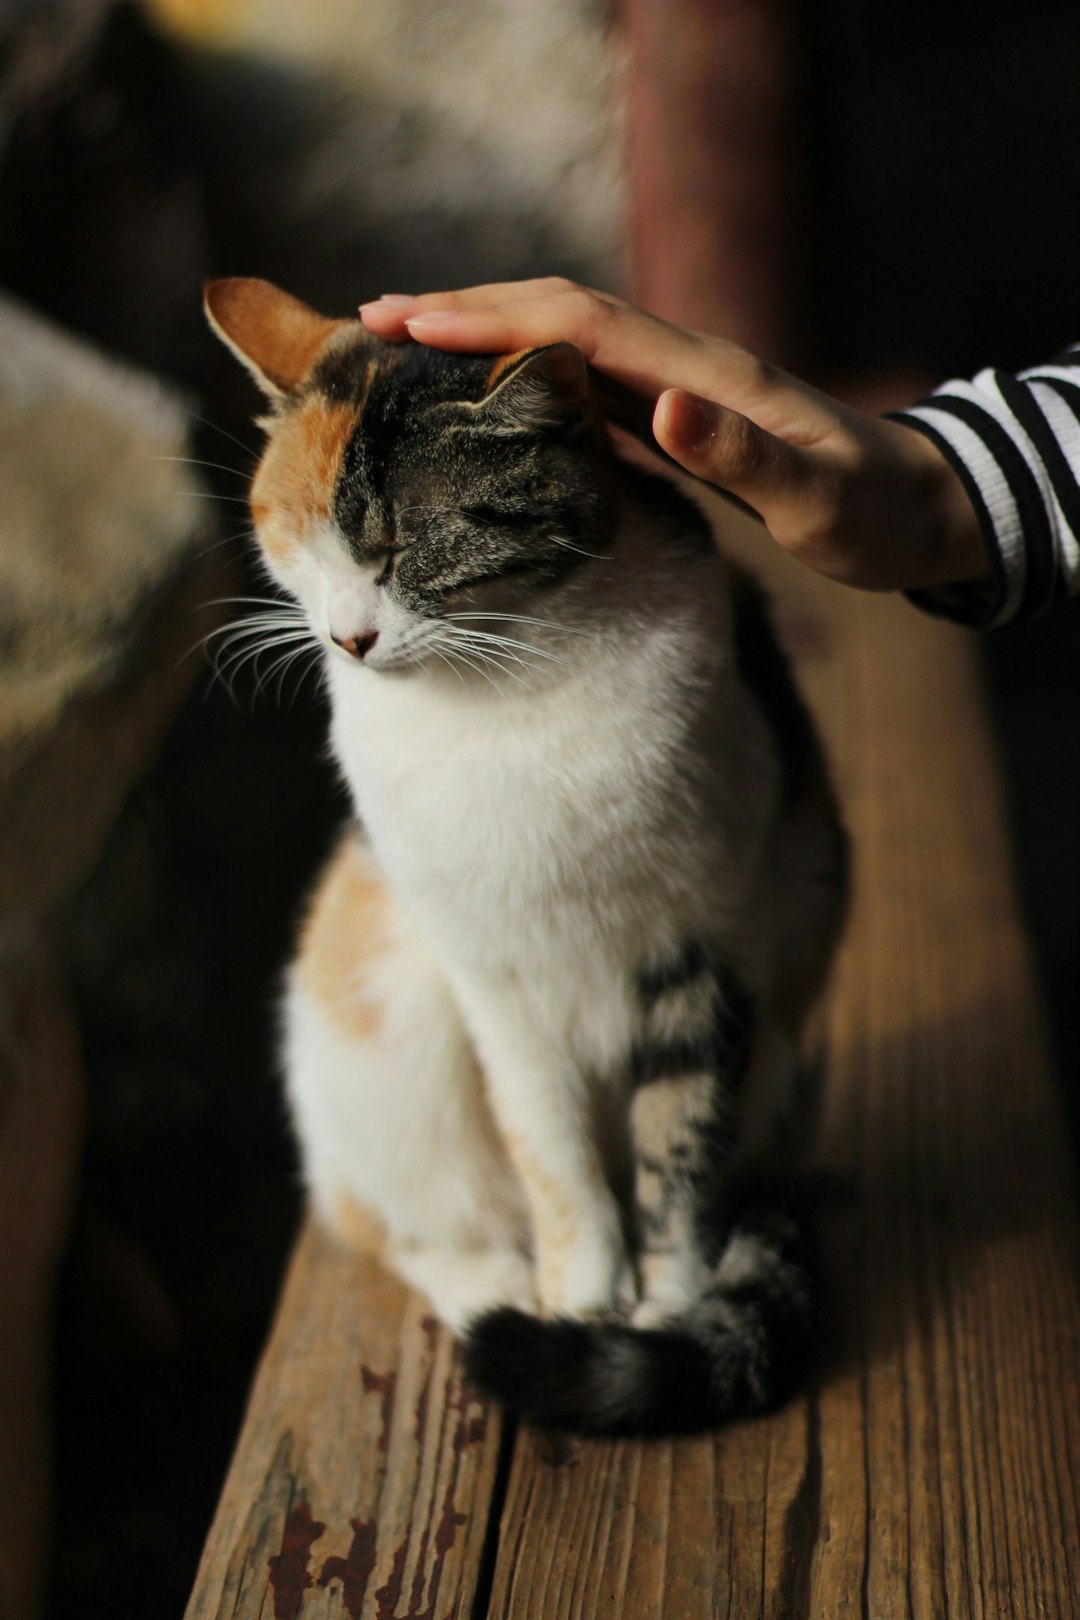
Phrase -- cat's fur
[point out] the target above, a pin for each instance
(595, 883)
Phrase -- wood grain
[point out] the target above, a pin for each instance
(932, 1469)
(364, 1472)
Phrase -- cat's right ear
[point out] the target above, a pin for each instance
(273, 334)
(537, 389)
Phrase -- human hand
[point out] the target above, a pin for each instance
(867, 502)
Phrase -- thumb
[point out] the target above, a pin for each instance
(727, 449)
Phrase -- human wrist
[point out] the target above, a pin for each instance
(955, 550)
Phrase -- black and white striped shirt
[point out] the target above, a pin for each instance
(1014, 441)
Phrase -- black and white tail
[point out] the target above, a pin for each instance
(741, 1348)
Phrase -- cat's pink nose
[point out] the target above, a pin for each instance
(359, 646)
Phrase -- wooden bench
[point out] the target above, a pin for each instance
(931, 1469)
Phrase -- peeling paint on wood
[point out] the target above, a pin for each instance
(363, 1479)
(290, 1576)
(353, 1571)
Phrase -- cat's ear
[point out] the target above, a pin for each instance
(537, 390)
(273, 334)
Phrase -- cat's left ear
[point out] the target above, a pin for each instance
(537, 390)
(272, 333)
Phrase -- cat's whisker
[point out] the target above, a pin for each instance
(240, 655)
(471, 639)
(500, 661)
(493, 660)
(212, 495)
(243, 632)
(460, 652)
(238, 631)
(225, 434)
(309, 658)
(488, 636)
(480, 642)
(475, 665)
(315, 662)
(226, 674)
(568, 545)
(216, 466)
(523, 618)
(262, 621)
(281, 616)
(443, 659)
(255, 601)
(233, 539)
(228, 668)
(264, 676)
(284, 664)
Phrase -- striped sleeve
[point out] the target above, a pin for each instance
(1014, 441)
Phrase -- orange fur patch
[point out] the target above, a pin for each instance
(272, 332)
(553, 1212)
(293, 489)
(346, 931)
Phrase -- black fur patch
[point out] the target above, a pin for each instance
(341, 376)
(591, 1378)
(673, 972)
(458, 496)
(723, 1047)
(732, 1354)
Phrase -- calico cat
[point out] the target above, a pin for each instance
(557, 969)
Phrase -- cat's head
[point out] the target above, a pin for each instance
(406, 495)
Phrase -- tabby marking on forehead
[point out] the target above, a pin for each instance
(293, 491)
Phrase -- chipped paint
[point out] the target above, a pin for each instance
(354, 1570)
(290, 1576)
(383, 1385)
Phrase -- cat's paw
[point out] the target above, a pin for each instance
(669, 1284)
(652, 1313)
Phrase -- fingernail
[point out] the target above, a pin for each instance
(431, 318)
(386, 302)
(690, 421)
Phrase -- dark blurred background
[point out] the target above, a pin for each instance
(889, 196)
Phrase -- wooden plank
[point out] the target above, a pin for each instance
(932, 1470)
(364, 1472)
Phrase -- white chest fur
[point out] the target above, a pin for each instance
(561, 820)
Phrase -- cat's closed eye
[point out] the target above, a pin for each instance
(386, 572)
(498, 515)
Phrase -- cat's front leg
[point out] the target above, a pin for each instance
(547, 1119)
(696, 1038)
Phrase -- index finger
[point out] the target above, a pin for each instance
(639, 350)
